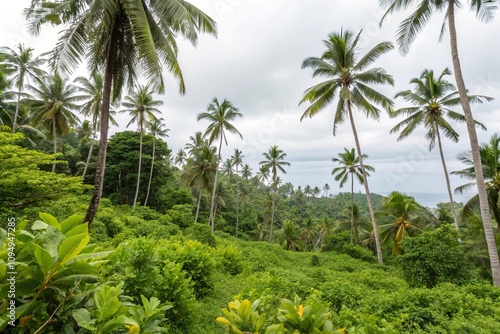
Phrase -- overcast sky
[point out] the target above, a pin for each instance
(256, 64)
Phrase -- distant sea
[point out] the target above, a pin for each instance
(430, 200)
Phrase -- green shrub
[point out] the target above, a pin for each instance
(315, 260)
(230, 259)
(434, 257)
(201, 233)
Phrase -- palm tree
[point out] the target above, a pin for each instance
(227, 167)
(196, 142)
(24, 66)
(219, 115)
(92, 93)
(262, 176)
(309, 232)
(246, 172)
(124, 39)
(53, 104)
(156, 129)
(402, 217)
(200, 172)
(289, 236)
(432, 99)
(326, 190)
(351, 219)
(490, 158)
(274, 162)
(180, 158)
(407, 33)
(142, 108)
(349, 165)
(348, 80)
(237, 158)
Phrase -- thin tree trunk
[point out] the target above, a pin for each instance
(450, 194)
(272, 221)
(198, 206)
(367, 189)
(212, 206)
(352, 206)
(151, 171)
(476, 157)
(237, 201)
(88, 158)
(103, 139)
(55, 143)
(139, 168)
(16, 113)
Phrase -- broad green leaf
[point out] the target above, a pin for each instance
(24, 236)
(70, 222)
(50, 220)
(79, 229)
(72, 246)
(51, 240)
(39, 225)
(83, 319)
(106, 300)
(90, 256)
(116, 323)
(42, 257)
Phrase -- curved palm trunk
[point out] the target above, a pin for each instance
(212, 206)
(478, 168)
(450, 194)
(103, 139)
(88, 158)
(367, 189)
(55, 143)
(352, 206)
(151, 172)
(138, 169)
(16, 113)
(237, 202)
(198, 206)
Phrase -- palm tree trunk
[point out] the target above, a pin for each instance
(272, 221)
(151, 171)
(16, 113)
(237, 202)
(198, 206)
(367, 189)
(88, 158)
(450, 194)
(103, 139)
(352, 206)
(55, 143)
(139, 168)
(212, 206)
(478, 168)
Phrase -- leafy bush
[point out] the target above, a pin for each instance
(340, 243)
(201, 233)
(434, 257)
(230, 259)
(182, 215)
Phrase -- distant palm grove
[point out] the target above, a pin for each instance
(117, 233)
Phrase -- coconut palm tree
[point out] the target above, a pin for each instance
(237, 158)
(326, 190)
(195, 142)
(289, 236)
(262, 175)
(22, 65)
(407, 32)
(180, 158)
(142, 107)
(352, 219)
(53, 104)
(432, 99)
(274, 162)
(220, 116)
(227, 167)
(123, 38)
(91, 91)
(490, 158)
(200, 172)
(157, 129)
(350, 166)
(402, 216)
(348, 81)
(246, 172)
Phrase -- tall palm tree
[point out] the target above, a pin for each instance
(350, 166)
(123, 38)
(227, 167)
(246, 172)
(348, 81)
(53, 105)
(156, 129)
(195, 142)
(407, 33)
(142, 108)
(91, 90)
(274, 162)
(490, 157)
(262, 176)
(352, 219)
(237, 158)
(220, 116)
(326, 190)
(432, 98)
(180, 158)
(23, 66)
(200, 172)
